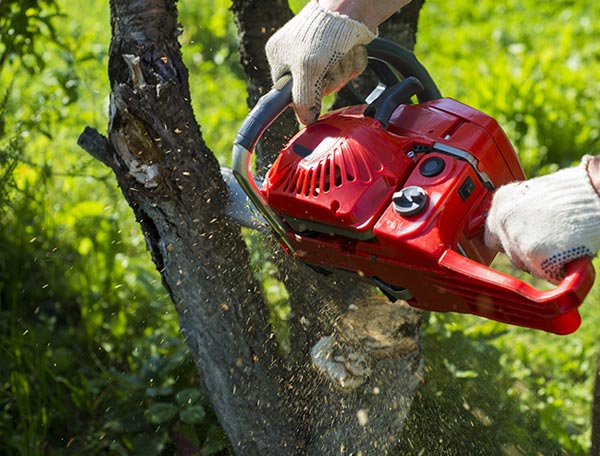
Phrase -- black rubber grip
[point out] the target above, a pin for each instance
(266, 110)
(406, 63)
(394, 96)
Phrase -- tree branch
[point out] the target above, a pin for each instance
(96, 145)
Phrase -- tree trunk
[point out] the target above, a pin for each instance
(348, 382)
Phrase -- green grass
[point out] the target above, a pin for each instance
(539, 79)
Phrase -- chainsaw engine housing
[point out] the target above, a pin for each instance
(343, 185)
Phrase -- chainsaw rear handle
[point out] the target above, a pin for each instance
(519, 299)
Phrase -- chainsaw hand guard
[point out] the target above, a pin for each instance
(396, 194)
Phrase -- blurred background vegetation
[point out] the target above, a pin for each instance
(91, 359)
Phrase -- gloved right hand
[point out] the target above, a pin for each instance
(545, 223)
(322, 50)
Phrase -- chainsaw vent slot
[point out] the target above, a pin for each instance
(336, 169)
(338, 176)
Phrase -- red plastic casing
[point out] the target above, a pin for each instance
(334, 182)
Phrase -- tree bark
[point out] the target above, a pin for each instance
(349, 393)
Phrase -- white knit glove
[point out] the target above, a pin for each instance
(546, 222)
(322, 50)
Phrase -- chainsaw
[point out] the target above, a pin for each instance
(395, 191)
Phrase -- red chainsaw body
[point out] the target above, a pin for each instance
(336, 185)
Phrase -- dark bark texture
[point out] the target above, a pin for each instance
(350, 377)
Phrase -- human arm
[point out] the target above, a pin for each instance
(593, 169)
(369, 12)
(546, 222)
(323, 47)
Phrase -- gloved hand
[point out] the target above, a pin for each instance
(546, 222)
(322, 50)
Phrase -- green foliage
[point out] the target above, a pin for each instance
(464, 408)
(539, 81)
(296, 5)
(494, 389)
(209, 46)
(23, 24)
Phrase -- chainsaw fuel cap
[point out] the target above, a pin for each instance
(410, 201)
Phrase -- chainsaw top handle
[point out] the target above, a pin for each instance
(390, 62)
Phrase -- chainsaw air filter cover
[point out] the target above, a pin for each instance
(339, 175)
(396, 193)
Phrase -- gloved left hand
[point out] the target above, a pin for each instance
(322, 50)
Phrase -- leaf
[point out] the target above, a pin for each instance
(149, 445)
(159, 391)
(188, 396)
(193, 414)
(216, 441)
(127, 424)
(160, 413)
